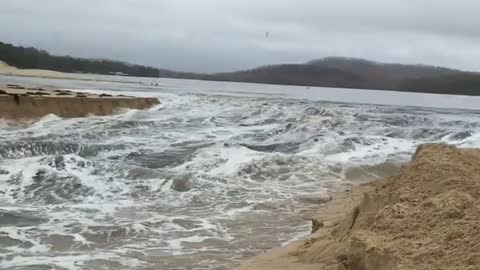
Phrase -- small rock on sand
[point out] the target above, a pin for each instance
(15, 86)
(37, 94)
(35, 89)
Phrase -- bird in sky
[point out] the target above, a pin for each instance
(267, 34)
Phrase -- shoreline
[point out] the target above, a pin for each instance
(18, 103)
(425, 218)
(328, 215)
(6, 70)
(78, 77)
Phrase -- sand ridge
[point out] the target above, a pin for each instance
(24, 104)
(8, 70)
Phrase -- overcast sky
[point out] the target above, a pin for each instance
(225, 35)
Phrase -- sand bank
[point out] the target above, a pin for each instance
(19, 103)
(42, 73)
(427, 217)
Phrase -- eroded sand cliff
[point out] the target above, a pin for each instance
(19, 103)
(428, 217)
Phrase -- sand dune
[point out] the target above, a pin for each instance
(5, 69)
(425, 218)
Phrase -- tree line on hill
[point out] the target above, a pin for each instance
(32, 58)
(326, 72)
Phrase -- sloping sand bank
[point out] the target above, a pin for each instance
(43, 73)
(19, 103)
(428, 217)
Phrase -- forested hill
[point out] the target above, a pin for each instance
(326, 72)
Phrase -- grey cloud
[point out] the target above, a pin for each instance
(223, 35)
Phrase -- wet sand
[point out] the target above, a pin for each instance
(21, 103)
(329, 216)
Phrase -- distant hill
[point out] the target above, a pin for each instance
(32, 58)
(383, 75)
(290, 74)
(362, 74)
(327, 72)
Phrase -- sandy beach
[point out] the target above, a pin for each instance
(425, 218)
(21, 103)
(8, 70)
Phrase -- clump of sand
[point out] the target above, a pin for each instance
(426, 218)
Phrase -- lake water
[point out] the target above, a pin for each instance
(216, 173)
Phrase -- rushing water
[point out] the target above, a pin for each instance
(216, 173)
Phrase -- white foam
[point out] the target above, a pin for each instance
(175, 246)
(80, 239)
(70, 262)
(221, 160)
(229, 180)
(373, 154)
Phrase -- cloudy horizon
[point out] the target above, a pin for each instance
(220, 35)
